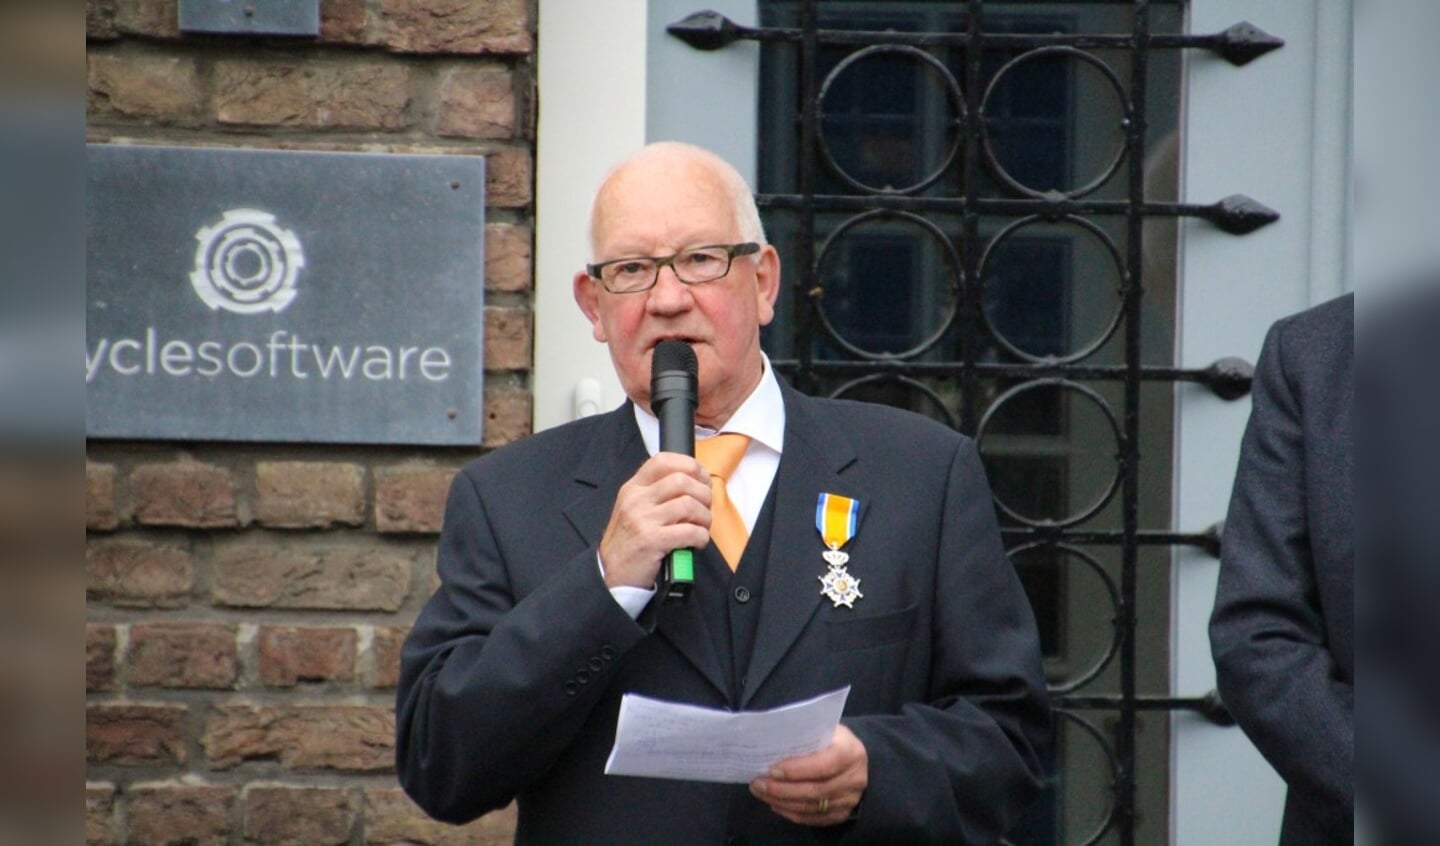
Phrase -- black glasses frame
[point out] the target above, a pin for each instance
(731, 251)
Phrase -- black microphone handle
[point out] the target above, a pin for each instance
(673, 399)
(674, 405)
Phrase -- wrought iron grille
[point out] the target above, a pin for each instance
(935, 266)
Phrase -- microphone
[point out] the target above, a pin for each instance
(674, 393)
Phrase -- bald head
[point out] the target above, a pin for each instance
(666, 161)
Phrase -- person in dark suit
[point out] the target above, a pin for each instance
(546, 613)
(1282, 630)
(1397, 494)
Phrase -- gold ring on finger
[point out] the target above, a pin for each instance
(823, 805)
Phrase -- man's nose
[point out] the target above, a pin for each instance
(669, 293)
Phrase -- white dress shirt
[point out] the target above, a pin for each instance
(761, 417)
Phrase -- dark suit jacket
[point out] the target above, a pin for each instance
(1282, 631)
(1398, 495)
(513, 674)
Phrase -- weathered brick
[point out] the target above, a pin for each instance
(100, 513)
(509, 178)
(184, 493)
(309, 494)
(183, 655)
(100, 20)
(137, 573)
(336, 95)
(174, 814)
(290, 654)
(153, 89)
(342, 21)
(507, 414)
(508, 338)
(385, 649)
(347, 738)
(508, 257)
(476, 102)
(391, 819)
(412, 498)
(360, 578)
(99, 657)
(298, 816)
(135, 734)
(456, 26)
(100, 814)
(153, 18)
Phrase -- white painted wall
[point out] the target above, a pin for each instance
(1396, 122)
(705, 98)
(592, 78)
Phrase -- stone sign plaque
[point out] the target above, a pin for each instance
(247, 295)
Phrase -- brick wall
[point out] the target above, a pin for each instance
(245, 604)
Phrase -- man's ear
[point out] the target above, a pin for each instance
(767, 283)
(587, 296)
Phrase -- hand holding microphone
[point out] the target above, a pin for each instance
(664, 507)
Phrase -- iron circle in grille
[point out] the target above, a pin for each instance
(953, 94)
(1113, 647)
(1109, 415)
(1107, 819)
(952, 259)
(854, 385)
(1105, 334)
(987, 146)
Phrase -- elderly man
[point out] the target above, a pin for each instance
(546, 615)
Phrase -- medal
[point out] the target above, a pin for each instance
(836, 518)
(840, 587)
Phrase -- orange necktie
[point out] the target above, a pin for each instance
(720, 455)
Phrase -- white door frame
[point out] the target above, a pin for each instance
(1276, 130)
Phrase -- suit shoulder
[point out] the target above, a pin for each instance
(1327, 324)
(1318, 342)
(874, 422)
(558, 446)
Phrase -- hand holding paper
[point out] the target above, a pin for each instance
(822, 788)
(669, 740)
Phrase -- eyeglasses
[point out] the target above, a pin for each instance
(692, 266)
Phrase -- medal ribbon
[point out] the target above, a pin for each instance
(836, 518)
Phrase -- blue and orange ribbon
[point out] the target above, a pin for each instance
(837, 518)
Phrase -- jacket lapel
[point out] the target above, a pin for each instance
(815, 452)
(614, 454)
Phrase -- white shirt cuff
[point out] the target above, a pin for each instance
(632, 599)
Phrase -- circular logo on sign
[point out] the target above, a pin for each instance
(246, 264)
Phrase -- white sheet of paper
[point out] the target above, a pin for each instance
(670, 740)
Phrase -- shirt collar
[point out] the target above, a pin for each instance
(761, 416)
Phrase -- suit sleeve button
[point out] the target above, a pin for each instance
(582, 676)
(607, 652)
(596, 664)
(571, 688)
